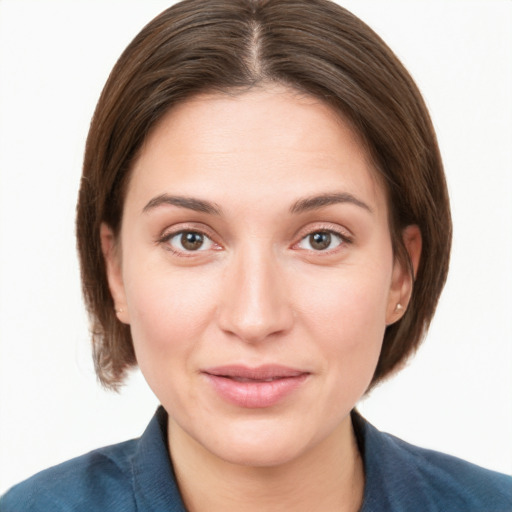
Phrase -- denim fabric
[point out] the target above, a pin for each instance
(137, 476)
(404, 478)
(131, 476)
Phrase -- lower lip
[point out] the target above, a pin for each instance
(256, 394)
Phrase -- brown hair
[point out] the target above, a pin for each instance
(314, 46)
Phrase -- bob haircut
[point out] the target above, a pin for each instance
(229, 46)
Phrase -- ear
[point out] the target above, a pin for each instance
(112, 257)
(403, 275)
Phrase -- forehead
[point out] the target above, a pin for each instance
(239, 117)
(272, 137)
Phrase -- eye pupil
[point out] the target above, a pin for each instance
(320, 240)
(192, 241)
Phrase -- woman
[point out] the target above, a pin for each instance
(264, 228)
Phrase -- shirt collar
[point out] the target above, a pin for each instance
(154, 481)
(390, 480)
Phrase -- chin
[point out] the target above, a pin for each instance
(261, 455)
(259, 443)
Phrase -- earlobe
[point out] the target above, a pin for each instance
(404, 273)
(112, 258)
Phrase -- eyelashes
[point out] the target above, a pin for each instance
(322, 241)
(190, 242)
(187, 242)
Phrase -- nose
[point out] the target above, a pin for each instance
(255, 303)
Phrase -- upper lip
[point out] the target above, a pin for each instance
(264, 372)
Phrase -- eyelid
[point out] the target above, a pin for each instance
(340, 231)
(170, 232)
(313, 227)
(343, 233)
(206, 242)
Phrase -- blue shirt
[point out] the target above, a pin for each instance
(137, 475)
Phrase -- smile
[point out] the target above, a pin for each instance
(254, 388)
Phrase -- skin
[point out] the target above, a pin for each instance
(258, 291)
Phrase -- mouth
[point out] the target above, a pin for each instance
(253, 388)
(247, 379)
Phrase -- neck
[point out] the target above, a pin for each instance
(329, 476)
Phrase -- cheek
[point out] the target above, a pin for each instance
(348, 299)
(168, 313)
(345, 313)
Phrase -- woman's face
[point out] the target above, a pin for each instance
(255, 269)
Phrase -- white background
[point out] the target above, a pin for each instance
(455, 396)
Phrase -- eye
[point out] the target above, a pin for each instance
(189, 241)
(321, 241)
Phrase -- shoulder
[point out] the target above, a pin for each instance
(99, 479)
(453, 482)
(134, 475)
(408, 477)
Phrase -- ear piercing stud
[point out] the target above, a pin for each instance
(399, 307)
(119, 310)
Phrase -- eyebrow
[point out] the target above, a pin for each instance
(191, 203)
(300, 206)
(322, 200)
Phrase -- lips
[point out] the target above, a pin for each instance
(259, 387)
